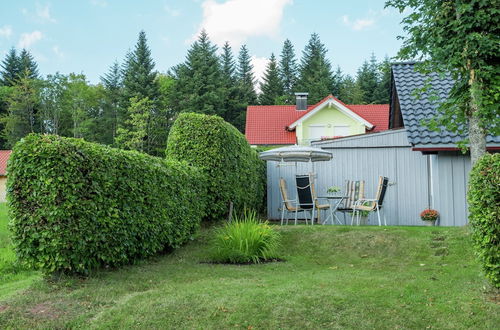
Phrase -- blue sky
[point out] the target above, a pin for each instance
(89, 35)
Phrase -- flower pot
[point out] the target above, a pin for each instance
(430, 222)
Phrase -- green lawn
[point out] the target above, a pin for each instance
(334, 277)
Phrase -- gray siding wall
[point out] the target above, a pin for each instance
(388, 154)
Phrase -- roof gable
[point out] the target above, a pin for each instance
(328, 102)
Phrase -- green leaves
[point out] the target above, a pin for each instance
(76, 206)
(484, 207)
(233, 170)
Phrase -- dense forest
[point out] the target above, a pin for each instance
(134, 104)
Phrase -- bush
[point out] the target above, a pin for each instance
(235, 172)
(76, 206)
(245, 240)
(484, 208)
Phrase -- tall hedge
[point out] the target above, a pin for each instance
(484, 208)
(76, 206)
(235, 172)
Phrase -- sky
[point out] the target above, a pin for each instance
(87, 36)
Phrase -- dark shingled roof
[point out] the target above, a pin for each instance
(414, 109)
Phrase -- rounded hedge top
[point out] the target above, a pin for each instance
(235, 172)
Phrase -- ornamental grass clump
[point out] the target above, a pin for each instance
(245, 240)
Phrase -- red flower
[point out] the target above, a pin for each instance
(429, 215)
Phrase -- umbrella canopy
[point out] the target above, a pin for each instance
(296, 154)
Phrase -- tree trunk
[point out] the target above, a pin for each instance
(477, 134)
(477, 139)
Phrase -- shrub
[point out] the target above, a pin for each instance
(76, 206)
(245, 240)
(235, 172)
(484, 208)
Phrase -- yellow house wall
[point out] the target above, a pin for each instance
(330, 117)
(3, 188)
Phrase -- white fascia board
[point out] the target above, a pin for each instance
(339, 106)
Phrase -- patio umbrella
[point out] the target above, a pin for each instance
(296, 154)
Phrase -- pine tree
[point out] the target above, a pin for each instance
(28, 64)
(316, 77)
(367, 80)
(198, 81)
(230, 90)
(138, 73)
(288, 72)
(271, 87)
(11, 68)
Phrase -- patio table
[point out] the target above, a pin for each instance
(334, 207)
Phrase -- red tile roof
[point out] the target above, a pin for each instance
(377, 114)
(4, 157)
(266, 124)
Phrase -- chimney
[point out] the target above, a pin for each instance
(301, 101)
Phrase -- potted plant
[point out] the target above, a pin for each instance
(333, 190)
(429, 216)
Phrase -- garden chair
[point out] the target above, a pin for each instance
(287, 204)
(374, 204)
(355, 190)
(307, 197)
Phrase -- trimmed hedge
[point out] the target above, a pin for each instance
(484, 208)
(76, 206)
(235, 172)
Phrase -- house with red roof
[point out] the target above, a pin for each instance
(4, 157)
(302, 123)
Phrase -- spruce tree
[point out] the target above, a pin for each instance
(245, 77)
(316, 77)
(246, 88)
(230, 90)
(28, 64)
(288, 72)
(113, 114)
(337, 82)
(138, 73)
(271, 87)
(198, 81)
(11, 68)
(349, 91)
(367, 80)
(382, 93)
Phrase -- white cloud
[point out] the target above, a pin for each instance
(41, 14)
(174, 12)
(236, 20)
(259, 67)
(99, 3)
(6, 31)
(58, 52)
(27, 39)
(358, 24)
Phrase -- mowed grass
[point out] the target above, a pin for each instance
(12, 276)
(333, 277)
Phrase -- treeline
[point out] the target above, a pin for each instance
(134, 105)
